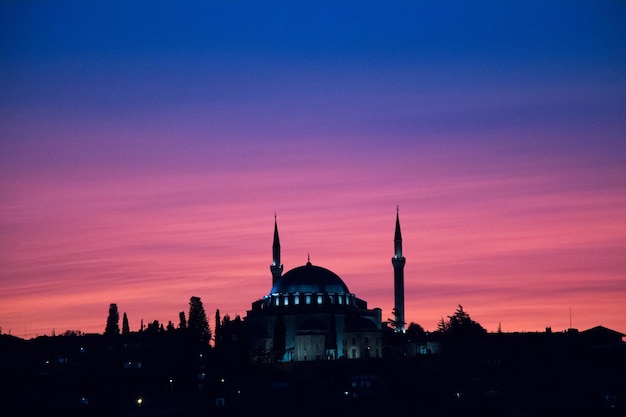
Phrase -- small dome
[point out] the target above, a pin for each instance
(310, 278)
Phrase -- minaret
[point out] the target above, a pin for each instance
(398, 262)
(276, 267)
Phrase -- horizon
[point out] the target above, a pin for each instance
(145, 149)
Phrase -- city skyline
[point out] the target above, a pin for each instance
(145, 150)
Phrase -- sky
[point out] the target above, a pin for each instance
(145, 148)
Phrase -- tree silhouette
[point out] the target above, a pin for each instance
(125, 327)
(396, 325)
(72, 333)
(153, 327)
(414, 331)
(198, 323)
(183, 321)
(461, 326)
(280, 334)
(217, 327)
(113, 321)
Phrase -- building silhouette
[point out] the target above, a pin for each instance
(398, 262)
(310, 314)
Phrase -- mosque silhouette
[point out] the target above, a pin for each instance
(311, 314)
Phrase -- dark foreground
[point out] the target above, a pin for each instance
(164, 375)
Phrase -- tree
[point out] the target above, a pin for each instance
(72, 333)
(414, 331)
(218, 334)
(396, 325)
(443, 326)
(183, 321)
(113, 321)
(198, 323)
(461, 326)
(278, 341)
(125, 327)
(153, 327)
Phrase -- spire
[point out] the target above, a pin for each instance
(398, 236)
(276, 267)
(276, 245)
(398, 262)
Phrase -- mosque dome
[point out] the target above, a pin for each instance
(310, 278)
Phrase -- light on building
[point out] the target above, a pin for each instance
(139, 401)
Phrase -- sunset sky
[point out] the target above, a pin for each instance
(145, 147)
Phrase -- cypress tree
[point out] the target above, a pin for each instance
(113, 321)
(125, 327)
(198, 323)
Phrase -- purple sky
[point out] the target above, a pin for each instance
(145, 147)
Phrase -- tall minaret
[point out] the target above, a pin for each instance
(276, 267)
(398, 262)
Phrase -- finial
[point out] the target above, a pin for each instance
(274, 216)
(398, 209)
(308, 259)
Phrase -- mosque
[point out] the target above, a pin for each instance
(310, 314)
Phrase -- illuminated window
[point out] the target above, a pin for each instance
(296, 299)
(276, 301)
(340, 299)
(308, 299)
(286, 300)
(319, 299)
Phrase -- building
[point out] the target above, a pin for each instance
(310, 314)
(398, 262)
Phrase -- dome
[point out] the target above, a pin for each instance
(310, 278)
